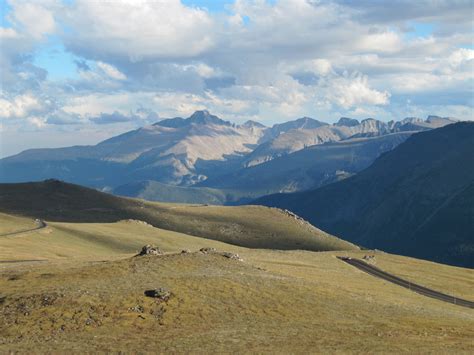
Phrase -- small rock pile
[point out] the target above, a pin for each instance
(294, 216)
(150, 250)
(297, 218)
(369, 258)
(225, 254)
(137, 221)
(207, 250)
(160, 293)
(232, 256)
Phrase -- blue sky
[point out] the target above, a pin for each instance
(70, 68)
(213, 6)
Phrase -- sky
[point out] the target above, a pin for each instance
(80, 71)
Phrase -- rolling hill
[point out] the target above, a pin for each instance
(77, 284)
(80, 287)
(250, 226)
(416, 200)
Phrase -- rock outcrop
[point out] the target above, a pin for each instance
(150, 250)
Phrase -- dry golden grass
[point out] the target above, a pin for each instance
(94, 241)
(88, 296)
(10, 224)
(273, 302)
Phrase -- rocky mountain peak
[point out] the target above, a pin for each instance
(308, 123)
(347, 122)
(205, 117)
(199, 117)
(253, 124)
(436, 119)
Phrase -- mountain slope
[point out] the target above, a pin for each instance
(299, 137)
(416, 200)
(156, 191)
(308, 168)
(166, 151)
(250, 226)
(187, 151)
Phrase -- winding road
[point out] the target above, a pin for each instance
(41, 224)
(372, 270)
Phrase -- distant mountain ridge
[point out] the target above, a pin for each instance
(190, 151)
(416, 200)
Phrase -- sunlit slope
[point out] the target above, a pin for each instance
(249, 226)
(272, 302)
(96, 241)
(11, 224)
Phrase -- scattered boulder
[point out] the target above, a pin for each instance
(185, 251)
(137, 308)
(207, 250)
(160, 293)
(369, 258)
(150, 250)
(137, 221)
(232, 256)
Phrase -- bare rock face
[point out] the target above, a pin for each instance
(160, 293)
(150, 250)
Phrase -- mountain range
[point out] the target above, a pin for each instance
(416, 200)
(205, 159)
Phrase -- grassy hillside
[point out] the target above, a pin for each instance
(249, 226)
(10, 224)
(87, 295)
(272, 302)
(416, 200)
(72, 241)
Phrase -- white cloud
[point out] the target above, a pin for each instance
(349, 91)
(34, 18)
(19, 106)
(37, 122)
(8, 33)
(460, 57)
(111, 71)
(138, 30)
(383, 42)
(266, 60)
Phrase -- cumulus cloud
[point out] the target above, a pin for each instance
(20, 106)
(441, 11)
(265, 60)
(114, 117)
(137, 30)
(111, 71)
(37, 122)
(142, 116)
(251, 51)
(349, 91)
(35, 18)
(61, 117)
